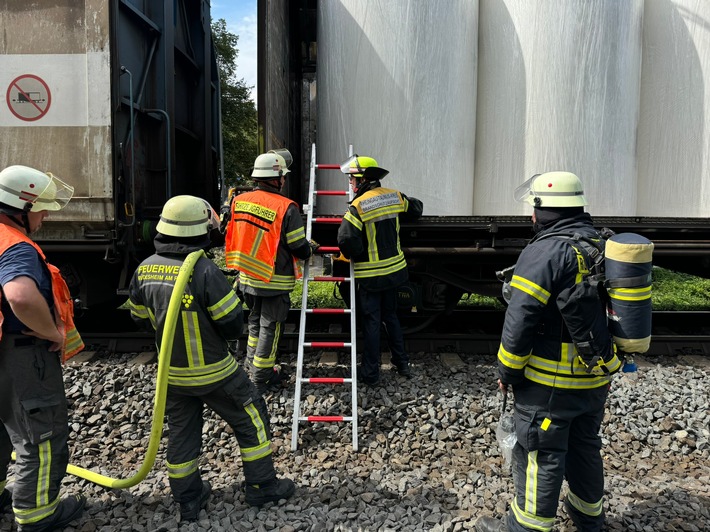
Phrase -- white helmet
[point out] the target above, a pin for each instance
(552, 189)
(27, 189)
(272, 164)
(184, 216)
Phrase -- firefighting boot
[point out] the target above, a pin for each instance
(189, 511)
(68, 510)
(584, 522)
(404, 370)
(272, 491)
(490, 524)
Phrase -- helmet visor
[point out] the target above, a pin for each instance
(213, 218)
(524, 191)
(287, 157)
(351, 165)
(55, 196)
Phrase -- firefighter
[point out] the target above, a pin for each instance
(202, 371)
(559, 406)
(38, 333)
(369, 236)
(265, 237)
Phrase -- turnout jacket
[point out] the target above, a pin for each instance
(535, 344)
(369, 235)
(210, 315)
(265, 236)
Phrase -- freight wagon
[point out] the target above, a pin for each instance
(120, 99)
(463, 100)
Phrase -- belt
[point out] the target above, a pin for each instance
(22, 340)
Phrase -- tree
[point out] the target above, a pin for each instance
(239, 120)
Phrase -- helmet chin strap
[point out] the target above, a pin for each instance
(24, 222)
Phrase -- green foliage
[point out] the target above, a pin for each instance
(320, 295)
(239, 120)
(217, 256)
(475, 300)
(671, 291)
(679, 291)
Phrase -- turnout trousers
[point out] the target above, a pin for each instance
(33, 410)
(377, 309)
(267, 314)
(558, 438)
(237, 402)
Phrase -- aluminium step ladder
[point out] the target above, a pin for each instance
(305, 312)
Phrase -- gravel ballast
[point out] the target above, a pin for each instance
(428, 457)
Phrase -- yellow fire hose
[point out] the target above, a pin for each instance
(161, 389)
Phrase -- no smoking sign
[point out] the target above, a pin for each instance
(28, 97)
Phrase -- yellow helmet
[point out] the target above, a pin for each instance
(552, 189)
(27, 189)
(185, 216)
(362, 166)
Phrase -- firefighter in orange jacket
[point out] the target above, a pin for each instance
(265, 237)
(38, 333)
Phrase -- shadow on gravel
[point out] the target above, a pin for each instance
(670, 509)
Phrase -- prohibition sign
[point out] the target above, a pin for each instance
(28, 97)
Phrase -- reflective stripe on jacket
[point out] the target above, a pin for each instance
(63, 303)
(210, 316)
(254, 233)
(369, 234)
(535, 344)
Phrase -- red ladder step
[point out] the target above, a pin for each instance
(327, 311)
(328, 249)
(328, 166)
(328, 220)
(317, 345)
(327, 380)
(326, 419)
(331, 192)
(328, 279)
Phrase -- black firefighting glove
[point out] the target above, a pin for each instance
(314, 245)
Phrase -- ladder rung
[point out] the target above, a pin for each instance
(328, 166)
(326, 380)
(326, 419)
(326, 344)
(329, 279)
(328, 249)
(331, 192)
(327, 311)
(328, 220)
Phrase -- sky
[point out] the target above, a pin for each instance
(241, 20)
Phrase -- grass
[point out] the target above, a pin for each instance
(679, 291)
(671, 291)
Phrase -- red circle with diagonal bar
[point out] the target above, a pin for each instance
(28, 97)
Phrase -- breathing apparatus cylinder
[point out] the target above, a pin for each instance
(628, 265)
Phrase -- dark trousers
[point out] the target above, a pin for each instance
(236, 402)
(377, 309)
(267, 314)
(565, 447)
(33, 411)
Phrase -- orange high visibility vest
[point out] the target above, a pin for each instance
(63, 304)
(254, 232)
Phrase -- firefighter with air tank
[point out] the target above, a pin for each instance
(559, 400)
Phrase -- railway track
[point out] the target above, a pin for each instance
(465, 331)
